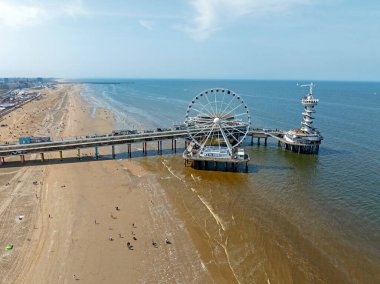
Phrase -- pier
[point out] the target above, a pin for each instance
(78, 143)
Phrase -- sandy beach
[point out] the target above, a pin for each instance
(79, 216)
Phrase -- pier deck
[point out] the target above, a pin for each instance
(11, 149)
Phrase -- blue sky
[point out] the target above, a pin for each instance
(224, 39)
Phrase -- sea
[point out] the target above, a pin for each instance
(293, 218)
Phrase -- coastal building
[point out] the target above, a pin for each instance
(307, 138)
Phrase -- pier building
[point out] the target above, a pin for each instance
(306, 139)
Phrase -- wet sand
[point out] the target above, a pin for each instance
(71, 225)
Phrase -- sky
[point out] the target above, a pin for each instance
(202, 39)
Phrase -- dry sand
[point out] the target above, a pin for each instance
(81, 199)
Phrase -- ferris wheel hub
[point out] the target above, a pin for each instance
(217, 120)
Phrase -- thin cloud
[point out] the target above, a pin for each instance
(146, 24)
(212, 15)
(20, 15)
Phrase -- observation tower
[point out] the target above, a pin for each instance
(306, 139)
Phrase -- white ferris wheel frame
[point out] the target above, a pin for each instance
(218, 113)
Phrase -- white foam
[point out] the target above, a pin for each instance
(216, 217)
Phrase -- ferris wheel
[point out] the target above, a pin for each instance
(217, 121)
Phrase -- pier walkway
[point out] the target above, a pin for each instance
(12, 149)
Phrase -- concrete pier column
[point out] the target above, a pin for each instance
(185, 144)
(61, 155)
(78, 154)
(42, 157)
(172, 145)
(22, 158)
(160, 146)
(279, 143)
(246, 167)
(96, 153)
(113, 152)
(175, 146)
(129, 150)
(252, 140)
(258, 141)
(265, 141)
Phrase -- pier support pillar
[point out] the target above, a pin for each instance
(96, 153)
(279, 143)
(129, 150)
(113, 152)
(246, 167)
(172, 145)
(175, 146)
(252, 140)
(258, 141)
(61, 156)
(22, 158)
(160, 146)
(42, 157)
(265, 141)
(78, 154)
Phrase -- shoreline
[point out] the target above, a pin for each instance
(62, 237)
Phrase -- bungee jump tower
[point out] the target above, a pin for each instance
(306, 139)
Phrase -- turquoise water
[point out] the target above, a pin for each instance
(322, 211)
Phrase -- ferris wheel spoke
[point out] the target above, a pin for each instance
(203, 129)
(232, 135)
(238, 130)
(235, 108)
(209, 103)
(207, 137)
(240, 114)
(208, 107)
(226, 139)
(221, 102)
(229, 103)
(199, 111)
(218, 139)
(216, 104)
